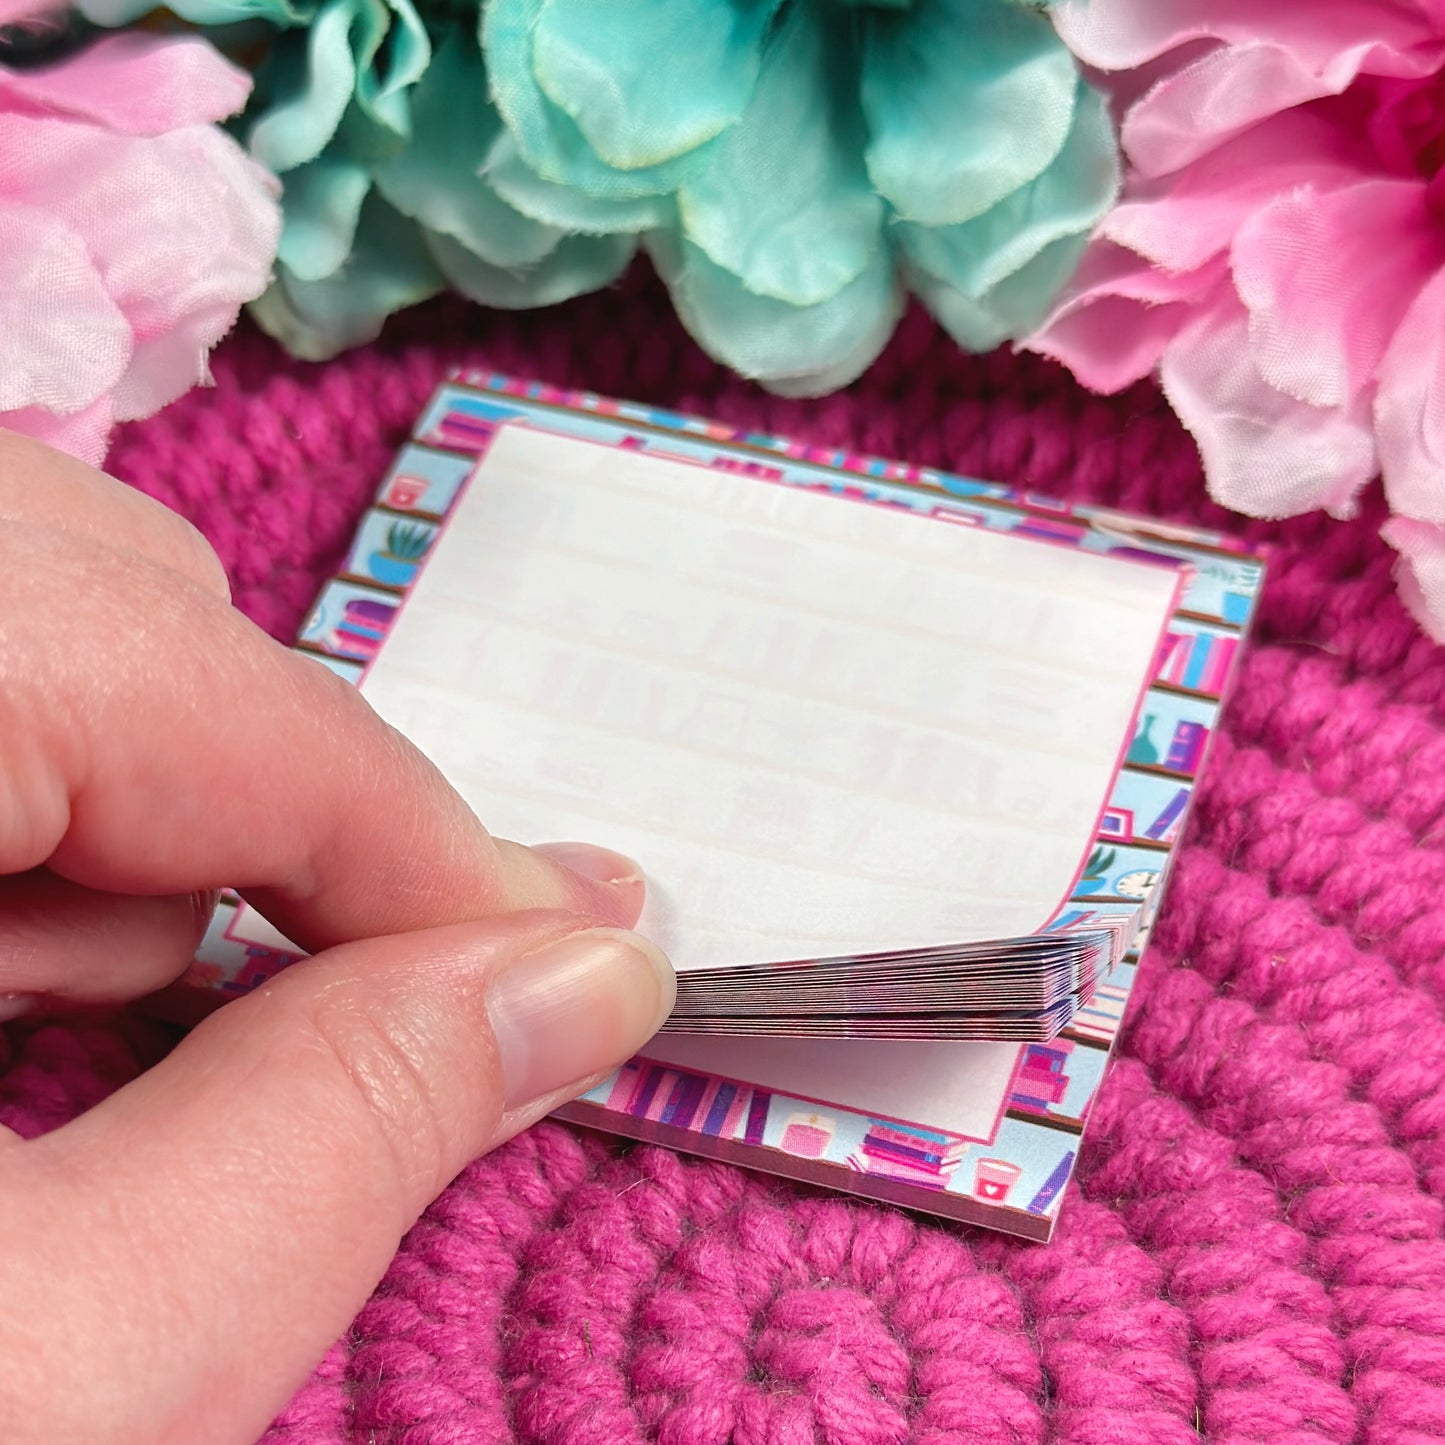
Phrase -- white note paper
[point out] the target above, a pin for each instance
(822, 727)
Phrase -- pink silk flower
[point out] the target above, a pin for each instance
(1278, 256)
(131, 231)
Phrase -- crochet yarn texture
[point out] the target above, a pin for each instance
(1252, 1250)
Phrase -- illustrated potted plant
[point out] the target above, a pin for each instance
(396, 563)
(1096, 871)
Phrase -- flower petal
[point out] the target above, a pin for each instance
(1182, 220)
(1226, 91)
(966, 101)
(577, 265)
(1118, 314)
(1126, 34)
(31, 12)
(563, 206)
(323, 206)
(1410, 409)
(437, 180)
(1324, 296)
(200, 193)
(1065, 201)
(1265, 453)
(64, 342)
(1011, 309)
(389, 268)
(1420, 572)
(395, 54)
(82, 434)
(656, 85)
(214, 225)
(211, 218)
(308, 84)
(549, 139)
(167, 365)
(793, 350)
(135, 84)
(784, 202)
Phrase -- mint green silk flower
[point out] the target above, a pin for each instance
(792, 167)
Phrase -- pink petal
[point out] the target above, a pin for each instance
(1410, 409)
(136, 84)
(1180, 221)
(1420, 572)
(63, 340)
(216, 228)
(1118, 314)
(46, 159)
(84, 434)
(1265, 453)
(181, 230)
(1226, 91)
(170, 363)
(29, 14)
(1123, 34)
(1323, 293)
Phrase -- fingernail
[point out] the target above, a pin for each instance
(12, 1005)
(599, 864)
(579, 1006)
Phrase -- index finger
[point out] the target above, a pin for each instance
(47, 488)
(156, 742)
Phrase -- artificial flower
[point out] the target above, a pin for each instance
(793, 167)
(131, 230)
(1278, 256)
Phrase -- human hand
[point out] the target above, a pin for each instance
(174, 1262)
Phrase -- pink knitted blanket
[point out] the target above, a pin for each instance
(1253, 1248)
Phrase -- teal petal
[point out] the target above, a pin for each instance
(367, 141)
(561, 206)
(388, 269)
(1014, 308)
(655, 81)
(793, 350)
(578, 265)
(967, 100)
(436, 179)
(1072, 194)
(784, 202)
(308, 86)
(549, 139)
(321, 208)
(381, 89)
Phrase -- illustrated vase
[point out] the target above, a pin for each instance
(1142, 750)
(393, 571)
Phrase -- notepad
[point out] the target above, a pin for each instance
(903, 755)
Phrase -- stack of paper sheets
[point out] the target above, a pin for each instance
(862, 754)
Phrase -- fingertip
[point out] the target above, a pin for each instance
(58, 940)
(600, 865)
(613, 884)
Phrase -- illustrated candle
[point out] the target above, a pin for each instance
(807, 1135)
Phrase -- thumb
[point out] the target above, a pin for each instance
(236, 1205)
